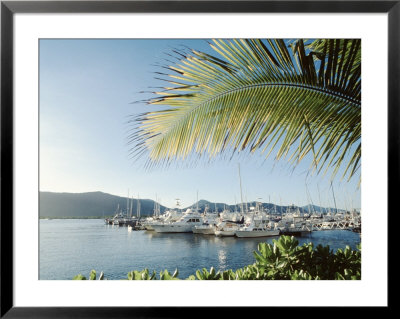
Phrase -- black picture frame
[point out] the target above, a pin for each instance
(9, 8)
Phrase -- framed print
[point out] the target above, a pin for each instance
(211, 147)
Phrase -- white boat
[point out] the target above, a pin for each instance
(169, 216)
(294, 229)
(204, 229)
(253, 231)
(226, 229)
(226, 232)
(209, 225)
(118, 219)
(119, 216)
(258, 226)
(184, 225)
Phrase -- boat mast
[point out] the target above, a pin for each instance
(334, 199)
(197, 202)
(127, 204)
(130, 208)
(241, 194)
(320, 203)
(310, 199)
(155, 207)
(138, 207)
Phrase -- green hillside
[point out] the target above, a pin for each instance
(93, 204)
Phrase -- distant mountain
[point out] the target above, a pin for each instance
(99, 204)
(93, 204)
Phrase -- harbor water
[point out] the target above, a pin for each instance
(69, 247)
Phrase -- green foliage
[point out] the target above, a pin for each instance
(92, 276)
(165, 275)
(286, 260)
(283, 260)
(79, 277)
(141, 275)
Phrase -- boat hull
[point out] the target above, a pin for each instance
(172, 228)
(225, 233)
(296, 232)
(256, 233)
(148, 227)
(204, 231)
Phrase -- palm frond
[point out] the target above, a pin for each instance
(295, 97)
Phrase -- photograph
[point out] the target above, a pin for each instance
(210, 152)
(199, 159)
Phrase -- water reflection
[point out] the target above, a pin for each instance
(222, 259)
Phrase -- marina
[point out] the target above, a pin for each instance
(72, 246)
(255, 222)
(245, 221)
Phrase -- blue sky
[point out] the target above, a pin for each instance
(86, 90)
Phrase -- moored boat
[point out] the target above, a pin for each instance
(184, 225)
(249, 232)
(205, 229)
(226, 229)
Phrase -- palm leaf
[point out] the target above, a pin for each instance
(296, 97)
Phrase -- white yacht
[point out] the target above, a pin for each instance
(258, 225)
(289, 227)
(209, 225)
(170, 216)
(184, 225)
(204, 229)
(261, 230)
(118, 219)
(226, 229)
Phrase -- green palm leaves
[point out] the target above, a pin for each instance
(296, 97)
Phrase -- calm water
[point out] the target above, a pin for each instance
(71, 247)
